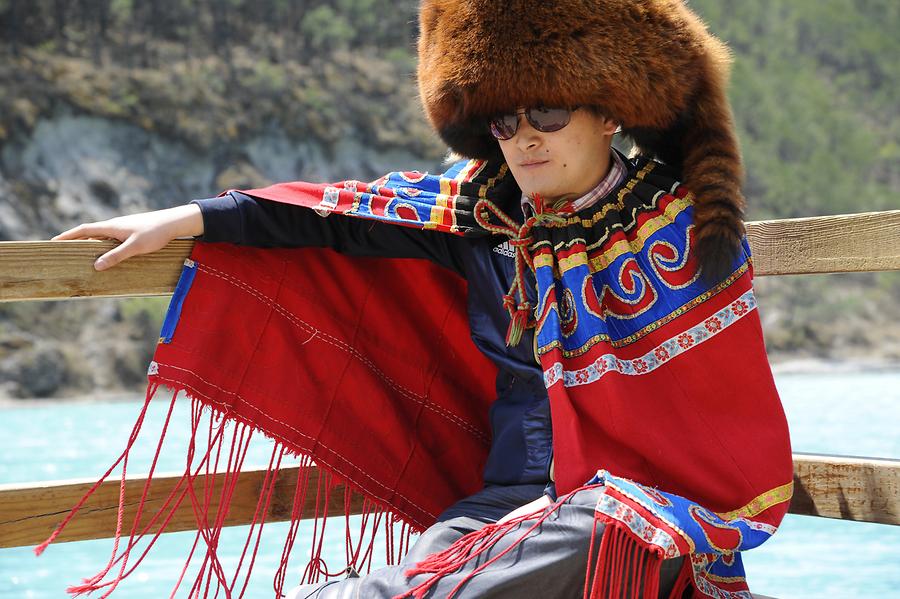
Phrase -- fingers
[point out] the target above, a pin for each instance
(139, 234)
(91, 231)
(101, 230)
(117, 254)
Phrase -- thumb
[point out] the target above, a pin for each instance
(117, 254)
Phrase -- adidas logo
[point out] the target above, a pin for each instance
(504, 249)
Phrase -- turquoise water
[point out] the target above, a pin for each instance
(850, 414)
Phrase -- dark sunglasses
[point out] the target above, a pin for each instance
(545, 120)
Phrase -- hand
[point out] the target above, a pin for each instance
(139, 233)
(538, 505)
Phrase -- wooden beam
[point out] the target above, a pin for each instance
(38, 270)
(31, 270)
(28, 514)
(846, 488)
(825, 244)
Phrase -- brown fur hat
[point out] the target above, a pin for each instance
(650, 65)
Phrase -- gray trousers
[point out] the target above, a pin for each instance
(550, 563)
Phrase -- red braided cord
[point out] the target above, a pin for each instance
(520, 239)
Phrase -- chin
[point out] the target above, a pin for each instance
(544, 193)
(541, 188)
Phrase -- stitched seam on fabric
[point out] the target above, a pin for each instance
(263, 414)
(267, 416)
(340, 378)
(282, 439)
(344, 347)
(428, 390)
(259, 337)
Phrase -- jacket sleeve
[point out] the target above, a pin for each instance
(550, 491)
(244, 220)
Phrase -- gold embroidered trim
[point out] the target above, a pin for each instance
(762, 502)
(623, 246)
(492, 181)
(668, 216)
(715, 578)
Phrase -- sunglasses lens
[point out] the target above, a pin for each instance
(543, 119)
(548, 119)
(504, 127)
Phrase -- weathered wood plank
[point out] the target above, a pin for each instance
(63, 269)
(28, 514)
(847, 488)
(824, 244)
(33, 270)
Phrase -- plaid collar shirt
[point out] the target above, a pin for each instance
(612, 179)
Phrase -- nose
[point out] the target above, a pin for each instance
(527, 137)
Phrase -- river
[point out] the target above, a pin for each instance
(828, 412)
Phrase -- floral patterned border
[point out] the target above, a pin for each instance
(659, 355)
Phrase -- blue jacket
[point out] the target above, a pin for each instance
(521, 446)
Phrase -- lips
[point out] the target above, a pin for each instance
(533, 163)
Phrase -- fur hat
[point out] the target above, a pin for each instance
(650, 65)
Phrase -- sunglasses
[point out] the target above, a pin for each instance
(543, 119)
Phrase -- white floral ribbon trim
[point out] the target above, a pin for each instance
(659, 355)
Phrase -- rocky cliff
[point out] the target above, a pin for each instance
(76, 148)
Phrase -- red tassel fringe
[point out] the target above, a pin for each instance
(624, 566)
(207, 429)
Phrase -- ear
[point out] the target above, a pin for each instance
(608, 126)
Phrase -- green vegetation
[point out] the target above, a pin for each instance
(815, 85)
(815, 90)
(816, 94)
(218, 72)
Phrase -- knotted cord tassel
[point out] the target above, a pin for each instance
(520, 320)
(520, 239)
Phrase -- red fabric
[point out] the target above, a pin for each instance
(367, 367)
(399, 408)
(707, 425)
(725, 437)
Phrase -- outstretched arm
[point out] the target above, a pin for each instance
(139, 233)
(237, 218)
(242, 219)
(287, 215)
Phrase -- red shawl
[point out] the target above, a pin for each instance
(365, 366)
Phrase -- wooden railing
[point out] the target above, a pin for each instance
(847, 488)
(32, 270)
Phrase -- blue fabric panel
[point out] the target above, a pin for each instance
(174, 312)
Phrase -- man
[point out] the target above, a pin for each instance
(604, 273)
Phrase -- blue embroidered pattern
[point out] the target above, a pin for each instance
(660, 354)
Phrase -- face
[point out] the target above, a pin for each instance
(563, 164)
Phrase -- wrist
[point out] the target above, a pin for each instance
(187, 221)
